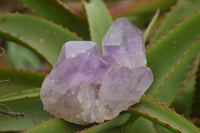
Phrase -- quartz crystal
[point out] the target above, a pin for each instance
(86, 87)
(124, 42)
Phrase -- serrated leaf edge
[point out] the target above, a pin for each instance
(171, 71)
(186, 78)
(168, 32)
(156, 119)
(20, 95)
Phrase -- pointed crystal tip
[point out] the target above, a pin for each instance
(124, 42)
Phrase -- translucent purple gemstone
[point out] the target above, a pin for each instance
(86, 87)
(124, 42)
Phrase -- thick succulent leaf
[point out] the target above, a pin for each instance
(55, 126)
(161, 129)
(28, 106)
(162, 115)
(150, 26)
(113, 130)
(23, 80)
(53, 10)
(142, 7)
(168, 51)
(184, 99)
(175, 79)
(21, 95)
(20, 57)
(40, 35)
(99, 20)
(183, 9)
(138, 126)
(13, 96)
(109, 125)
(196, 102)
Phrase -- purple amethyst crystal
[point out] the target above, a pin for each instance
(124, 43)
(86, 87)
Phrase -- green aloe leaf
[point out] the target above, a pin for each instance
(110, 126)
(162, 115)
(31, 106)
(183, 9)
(54, 10)
(184, 99)
(174, 81)
(196, 101)
(22, 80)
(40, 35)
(21, 95)
(164, 56)
(29, 103)
(20, 57)
(99, 20)
(55, 125)
(138, 125)
(150, 26)
(142, 7)
(161, 129)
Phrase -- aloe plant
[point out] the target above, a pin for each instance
(169, 105)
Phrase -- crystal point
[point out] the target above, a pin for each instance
(86, 87)
(124, 42)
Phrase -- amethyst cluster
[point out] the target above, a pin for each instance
(86, 87)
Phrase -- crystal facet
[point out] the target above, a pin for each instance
(124, 42)
(86, 87)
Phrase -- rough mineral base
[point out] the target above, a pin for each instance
(86, 87)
